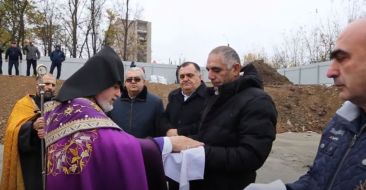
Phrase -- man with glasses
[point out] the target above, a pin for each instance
(137, 111)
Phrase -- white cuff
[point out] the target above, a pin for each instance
(167, 147)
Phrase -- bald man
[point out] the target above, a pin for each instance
(25, 131)
(340, 162)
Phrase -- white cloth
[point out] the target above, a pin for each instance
(275, 185)
(185, 166)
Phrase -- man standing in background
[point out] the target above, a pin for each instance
(57, 57)
(32, 54)
(185, 106)
(14, 54)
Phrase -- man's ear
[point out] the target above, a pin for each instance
(237, 68)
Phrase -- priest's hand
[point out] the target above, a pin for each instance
(38, 125)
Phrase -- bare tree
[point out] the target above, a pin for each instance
(95, 9)
(47, 23)
(126, 25)
(72, 23)
(111, 31)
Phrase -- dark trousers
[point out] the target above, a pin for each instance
(14, 63)
(32, 63)
(173, 185)
(58, 66)
(1, 66)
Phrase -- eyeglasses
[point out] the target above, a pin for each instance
(130, 79)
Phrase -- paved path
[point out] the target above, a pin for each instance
(290, 157)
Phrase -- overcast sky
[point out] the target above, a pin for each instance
(190, 29)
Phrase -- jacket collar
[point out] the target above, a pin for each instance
(350, 115)
(200, 91)
(348, 111)
(242, 83)
(140, 97)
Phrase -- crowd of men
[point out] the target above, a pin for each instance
(109, 132)
(14, 56)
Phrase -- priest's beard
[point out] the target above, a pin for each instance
(48, 95)
(106, 107)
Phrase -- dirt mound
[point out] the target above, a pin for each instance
(304, 107)
(269, 75)
(300, 107)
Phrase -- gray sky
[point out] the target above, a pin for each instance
(190, 29)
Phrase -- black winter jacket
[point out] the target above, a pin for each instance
(57, 56)
(238, 128)
(13, 53)
(183, 115)
(138, 116)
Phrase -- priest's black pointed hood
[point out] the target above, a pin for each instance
(100, 72)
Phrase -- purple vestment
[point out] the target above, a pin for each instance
(87, 150)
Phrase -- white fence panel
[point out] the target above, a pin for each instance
(70, 65)
(308, 74)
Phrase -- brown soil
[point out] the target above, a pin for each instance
(269, 75)
(300, 107)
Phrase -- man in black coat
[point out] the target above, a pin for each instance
(185, 104)
(237, 125)
(57, 57)
(137, 111)
(183, 112)
(14, 54)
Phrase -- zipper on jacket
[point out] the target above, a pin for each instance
(131, 113)
(354, 139)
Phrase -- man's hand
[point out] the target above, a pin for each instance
(41, 133)
(172, 132)
(38, 125)
(182, 143)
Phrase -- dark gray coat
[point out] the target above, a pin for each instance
(138, 116)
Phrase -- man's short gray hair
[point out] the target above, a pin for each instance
(229, 54)
(136, 69)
